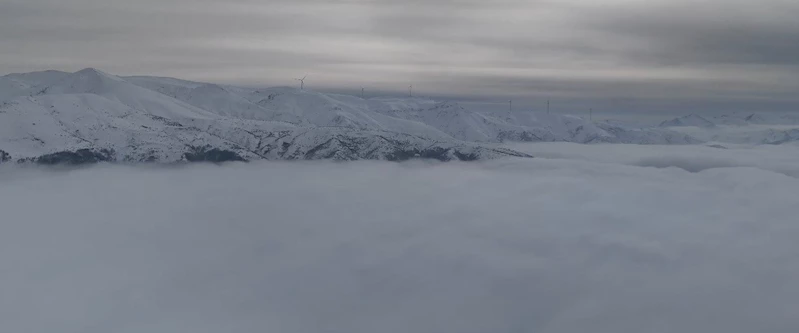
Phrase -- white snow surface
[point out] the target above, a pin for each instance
(585, 238)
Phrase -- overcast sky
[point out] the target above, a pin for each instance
(644, 55)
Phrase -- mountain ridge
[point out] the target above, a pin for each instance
(100, 116)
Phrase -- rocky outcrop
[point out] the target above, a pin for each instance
(4, 156)
(78, 157)
(213, 155)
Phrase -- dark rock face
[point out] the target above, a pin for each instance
(4, 156)
(519, 136)
(342, 148)
(214, 155)
(166, 121)
(78, 157)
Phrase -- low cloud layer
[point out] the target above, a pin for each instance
(624, 55)
(578, 240)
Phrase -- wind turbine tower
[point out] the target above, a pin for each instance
(302, 82)
(410, 91)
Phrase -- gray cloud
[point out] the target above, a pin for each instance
(581, 239)
(712, 52)
(710, 32)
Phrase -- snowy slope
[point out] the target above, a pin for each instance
(546, 127)
(416, 116)
(646, 136)
(92, 81)
(19, 84)
(35, 126)
(448, 117)
(299, 107)
(31, 127)
(740, 128)
(210, 97)
(735, 119)
(10, 88)
(745, 134)
(462, 123)
(743, 119)
(35, 79)
(317, 109)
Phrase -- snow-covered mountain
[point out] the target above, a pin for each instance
(734, 119)
(417, 116)
(19, 84)
(740, 128)
(746, 134)
(91, 115)
(689, 120)
(743, 119)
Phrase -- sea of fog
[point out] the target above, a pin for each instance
(599, 238)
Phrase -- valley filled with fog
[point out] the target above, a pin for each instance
(382, 166)
(599, 238)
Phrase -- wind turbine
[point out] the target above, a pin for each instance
(302, 82)
(510, 105)
(362, 92)
(547, 105)
(410, 91)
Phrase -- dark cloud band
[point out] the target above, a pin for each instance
(714, 52)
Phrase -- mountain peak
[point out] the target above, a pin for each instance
(689, 120)
(90, 70)
(87, 80)
(94, 72)
(210, 87)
